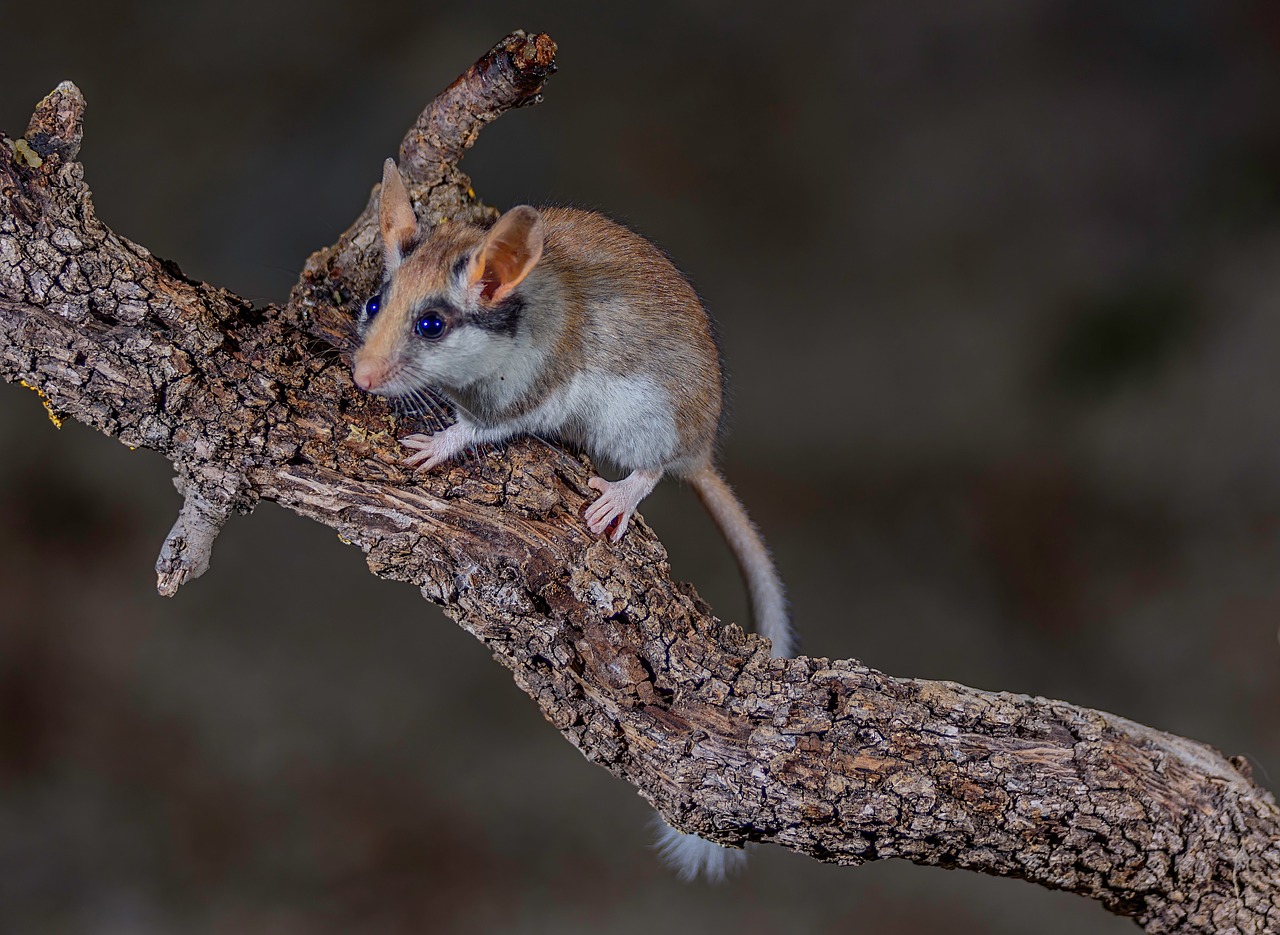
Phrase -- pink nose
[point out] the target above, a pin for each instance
(368, 374)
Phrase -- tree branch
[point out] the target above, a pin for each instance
(829, 758)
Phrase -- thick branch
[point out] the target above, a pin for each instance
(825, 757)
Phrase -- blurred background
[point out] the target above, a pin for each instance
(999, 284)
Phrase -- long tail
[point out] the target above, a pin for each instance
(768, 599)
(689, 855)
(692, 857)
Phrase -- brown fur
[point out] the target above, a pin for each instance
(621, 307)
(665, 331)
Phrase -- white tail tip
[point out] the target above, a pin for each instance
(692, 857)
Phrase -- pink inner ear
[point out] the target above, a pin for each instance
(490, 281)
(511, 250)
(502, 266)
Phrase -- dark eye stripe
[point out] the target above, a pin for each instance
(503, 318)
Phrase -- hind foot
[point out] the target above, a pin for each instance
(618, 501)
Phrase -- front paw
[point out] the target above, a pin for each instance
(431, 450)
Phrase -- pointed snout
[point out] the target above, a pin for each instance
(369, 373)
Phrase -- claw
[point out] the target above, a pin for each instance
(434, 450)
(617, 502)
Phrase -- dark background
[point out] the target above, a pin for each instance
(998, 284)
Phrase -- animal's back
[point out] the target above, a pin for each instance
(641, 318)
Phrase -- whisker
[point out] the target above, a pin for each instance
(438, 408)
(409, 405)
(423, 408)
(428, 410)
(432, 400)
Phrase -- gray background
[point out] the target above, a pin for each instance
(998, 286)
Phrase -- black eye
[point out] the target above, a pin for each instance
(430, 327)
(372, 305)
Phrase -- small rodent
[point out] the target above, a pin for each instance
(561, 323)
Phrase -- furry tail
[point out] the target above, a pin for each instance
(688, 855)
(692, 857)
(768, 599)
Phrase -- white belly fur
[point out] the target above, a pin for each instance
(624, 420)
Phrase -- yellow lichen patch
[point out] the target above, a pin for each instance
(471, 193)
(48, 408)
(344, 540)
(26, 154)
(358, 436)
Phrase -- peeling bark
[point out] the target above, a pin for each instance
(829, 758)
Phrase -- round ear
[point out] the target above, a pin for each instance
(509, 252)
(396, 220)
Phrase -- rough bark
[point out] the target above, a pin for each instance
(826, 757)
